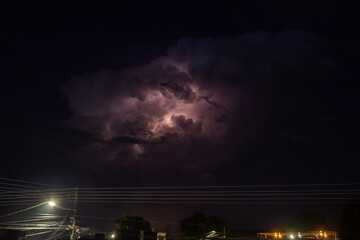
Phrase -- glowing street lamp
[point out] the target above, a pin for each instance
(51, 203)
(112, 236)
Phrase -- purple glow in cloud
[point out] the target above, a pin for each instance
(189, 110)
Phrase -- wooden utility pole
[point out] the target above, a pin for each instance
(75, 206)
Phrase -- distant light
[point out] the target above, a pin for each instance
(325, 235)
(112, 236)
(51, 203)
(299, 235)
(279, 235)
(276, 235)
(292, 236)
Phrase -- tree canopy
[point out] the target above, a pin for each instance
(307, 221)
(132, 223)
(198, 224)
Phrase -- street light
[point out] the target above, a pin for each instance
(51, 203)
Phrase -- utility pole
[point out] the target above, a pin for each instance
(73, 225)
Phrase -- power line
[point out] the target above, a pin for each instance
(55, 231)
(193, 198)
(30, 220)
(35, 234)
(25, 195)
(36, 183)
(28, 200)
(16, 190)
(213, 202)
(59, 234)
(236, 186)
(23, 210)
(210, 194)
(220, 191)
(20, 185)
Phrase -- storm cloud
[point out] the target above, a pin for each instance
(205, 103)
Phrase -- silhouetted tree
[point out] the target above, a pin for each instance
(129, 227)
(132, 223)
(307, 221)
(349, 220)
(198, 224)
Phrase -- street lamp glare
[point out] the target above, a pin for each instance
(51, 203)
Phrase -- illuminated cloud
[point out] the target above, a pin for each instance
(194, 108)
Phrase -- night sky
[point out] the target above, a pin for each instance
(177, 93)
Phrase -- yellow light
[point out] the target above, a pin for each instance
(112, 236)
(279, 235)
(276, 235)
(51, 203)
(325, 234)
(292, 236)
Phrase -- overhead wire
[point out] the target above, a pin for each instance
(215, 199)
(20, 194)
(39, 190)
(235, 186)
(35, 183)
(60, 234)
(55, 231)
(220, 191)
(38, 224)
(175, 194)
(27, 200)
(21, 185)
(213, 202)
(36, 234)
(23, 210)
(47, 197)
(308, 191)
(209, 194)
(29, 220)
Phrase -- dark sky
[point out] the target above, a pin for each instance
(181, 93)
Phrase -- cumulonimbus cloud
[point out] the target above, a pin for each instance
(203, 94)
